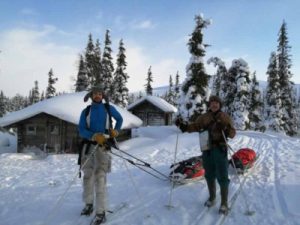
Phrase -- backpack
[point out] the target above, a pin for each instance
(187, 170)
(243, 159)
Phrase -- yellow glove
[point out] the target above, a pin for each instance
(113, 133)
(99, 138)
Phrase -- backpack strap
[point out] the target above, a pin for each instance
(87, 114)
(106, 105)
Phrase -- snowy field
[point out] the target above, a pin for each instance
(36, 190)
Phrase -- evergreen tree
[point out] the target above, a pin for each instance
(195, 86)
(220, 76)
(120, 78)
(256, 106)
(51, 91)
(149, 89)
(97, 66)
(131, 99)
(107, 65)
(273, 104)
(241, 97)
(35, 93)
(177, 89)
(284, 71)
(229, 89)
(170, 98)
(42, 96)
(2, 104)
(89, 60)
(30, 98)
(140, 95)
(82, 79)
(18, 102)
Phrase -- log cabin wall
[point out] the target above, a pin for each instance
(151, 115)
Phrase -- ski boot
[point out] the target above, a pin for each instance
(211, 201)
(99, 219)
(87, 210)
(224, 210)
(224, 203)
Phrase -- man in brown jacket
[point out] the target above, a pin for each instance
(215, 161)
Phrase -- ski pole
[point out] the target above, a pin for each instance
(172, 186)
(248, 211)
(115, 146)
(138, 166)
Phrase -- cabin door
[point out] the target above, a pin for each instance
(53, 138)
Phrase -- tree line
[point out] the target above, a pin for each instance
(275, 108)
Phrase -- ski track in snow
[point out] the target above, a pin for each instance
(264, 187)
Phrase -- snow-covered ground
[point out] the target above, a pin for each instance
(47, 190)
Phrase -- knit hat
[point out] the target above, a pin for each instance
(214, 98)
(94, 89)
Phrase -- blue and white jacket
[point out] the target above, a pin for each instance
(97, 118)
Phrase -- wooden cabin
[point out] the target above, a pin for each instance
(153, 111)
(48, 133)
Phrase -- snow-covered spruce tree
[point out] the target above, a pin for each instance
(51, 91)
(17, 102)
(239, 107)
(170, 97)
(273, 105)
(284, 71)
(107, 65)
(42, 96)
(131, 99)
(2, 104)
(89, 60)
(97, 64)
(195, 87)
(220, 76)
(120, 78)
(176, 90)
(149, 80)
(82, 79)
(35, 93)
(256, 106)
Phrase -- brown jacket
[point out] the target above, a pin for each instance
(214, 123)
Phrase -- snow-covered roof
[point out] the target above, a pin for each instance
(157, 101)
(67, 107)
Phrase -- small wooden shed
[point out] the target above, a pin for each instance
(153, 111)
(52, 124)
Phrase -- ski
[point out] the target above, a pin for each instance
(110, 213)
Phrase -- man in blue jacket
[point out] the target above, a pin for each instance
(94, 124)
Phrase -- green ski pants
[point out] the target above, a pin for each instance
(215, 163)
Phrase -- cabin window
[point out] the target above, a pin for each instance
(54, 129)
(31, 129)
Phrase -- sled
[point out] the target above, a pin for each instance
(243, 159)
(186, 171)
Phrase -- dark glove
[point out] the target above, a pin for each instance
(178, 121)
(181, 124)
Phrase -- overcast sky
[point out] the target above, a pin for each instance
(36, 35)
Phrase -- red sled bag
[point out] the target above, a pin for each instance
(187, 170)
(243, 159)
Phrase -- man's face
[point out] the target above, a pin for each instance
(214, 106)
(97, 97)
